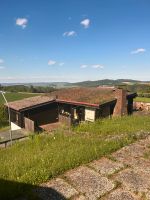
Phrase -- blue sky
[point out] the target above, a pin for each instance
(74, 40)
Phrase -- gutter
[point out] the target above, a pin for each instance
(77, 103)
(32, 107)
(134, 95)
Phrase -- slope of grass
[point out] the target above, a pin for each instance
(142, 99)
(45, 156)
(4, 127)
(115, 126)
(13, 96)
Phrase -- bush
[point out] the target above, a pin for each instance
(3, 116)
(147, 95)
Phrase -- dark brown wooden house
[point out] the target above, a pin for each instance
(70, 106)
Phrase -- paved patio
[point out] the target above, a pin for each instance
(16, 135)
(51, 126)
(125, 175)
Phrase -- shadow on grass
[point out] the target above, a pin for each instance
(10, 190)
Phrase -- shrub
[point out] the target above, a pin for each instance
(3, 116)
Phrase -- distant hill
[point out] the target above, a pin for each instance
(83, 83)
(43, 84)
(109, 82)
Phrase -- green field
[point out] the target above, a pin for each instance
(43, 157)
(13, 96)
(142, 99)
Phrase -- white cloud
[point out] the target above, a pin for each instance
(97, 66)
(1, 61)
(85, 23)
(61, 64)
(22, 22)
(84, 66)
(140, 50)
(69, 33)
(2, 67)
(51, 62)
(39, 78)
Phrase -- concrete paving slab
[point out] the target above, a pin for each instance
(134, 181)
(80, 197)
(130, 152)
(89, 182)
(145, 142)
(120, 194)
(106, 166)
(148, 195)
(142, 165)
(57, 189)
(5, 135)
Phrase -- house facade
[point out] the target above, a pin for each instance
(70, 107)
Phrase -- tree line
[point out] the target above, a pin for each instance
(28, 89)
(143, 90)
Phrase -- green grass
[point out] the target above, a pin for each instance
(147, 155)
(43, 157)
(115, 126)
(13, 96)
(142, 99)
(4, 127)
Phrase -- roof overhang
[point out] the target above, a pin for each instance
(112, 102)
(132, 95)
(32, 107)
(77, 103)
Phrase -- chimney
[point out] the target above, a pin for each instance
(121, 104)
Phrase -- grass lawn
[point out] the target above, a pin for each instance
(115, 126)
(4, 128)
(13, 96)
(147, 155)
(43, 157)
(142, 99)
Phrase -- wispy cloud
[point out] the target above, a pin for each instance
(85, 23)
(51, 62)
(38, 78)
(140, 50)
(1, 61)
(22, 22)
(2, 67)
(83, 66)
(69, 33)
(61, 64)
(97, 66)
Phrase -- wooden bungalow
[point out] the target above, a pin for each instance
(70, 106)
